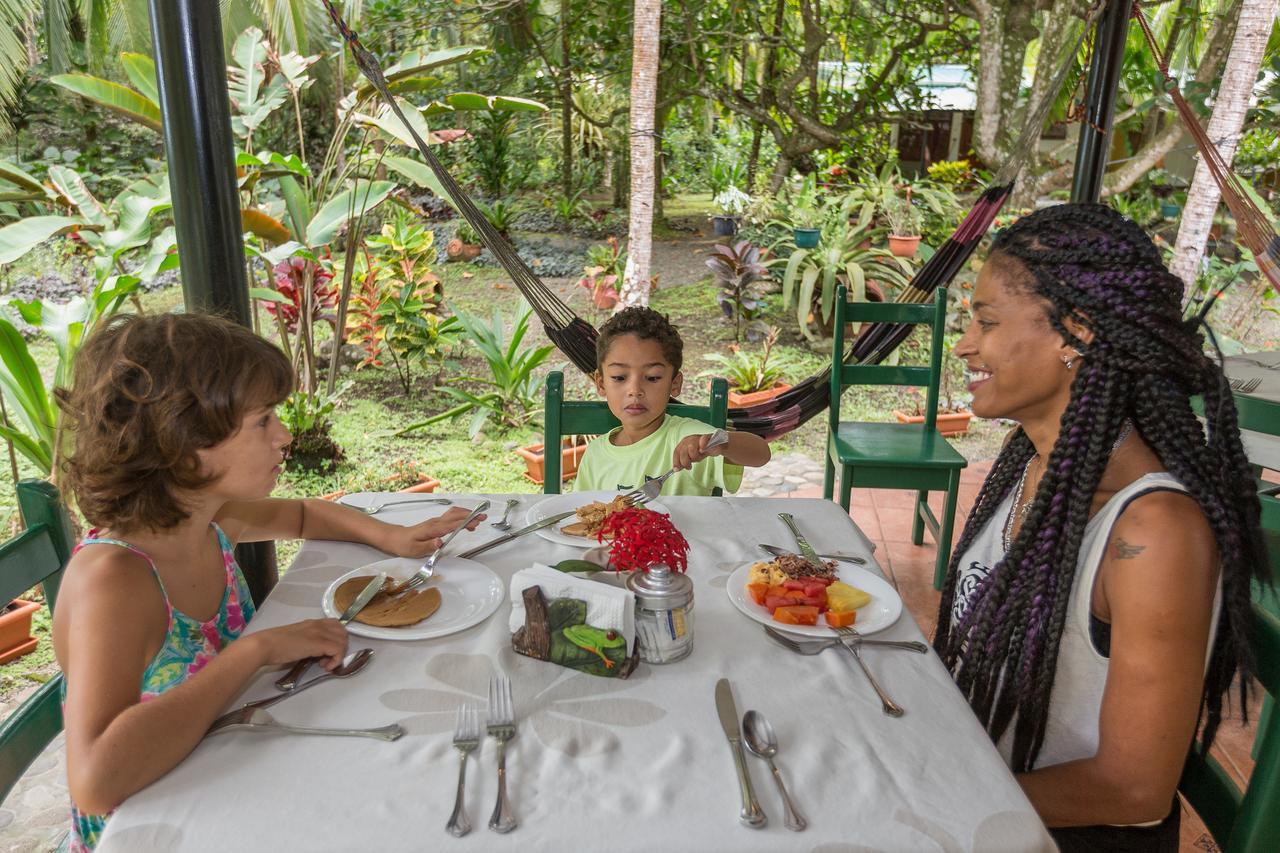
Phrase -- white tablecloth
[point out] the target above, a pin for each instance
(1261, 448)
(600, 764)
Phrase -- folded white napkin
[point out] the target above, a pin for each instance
(608, 607)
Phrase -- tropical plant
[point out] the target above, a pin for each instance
(804, 209)
(467, 234)
(731, 202)
(811, 276)
(750, 372)
(405, 252)
(609, 256)
(570, 208)
(501, 215)
(31, 421)
(515, 392)
(955, 175)
(412, 332)
(904, 220)
(725, 174)
(742, 279)
(490, 152)
(306, 415)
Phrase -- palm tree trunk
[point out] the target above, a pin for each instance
(1230, 106)
(644, 91)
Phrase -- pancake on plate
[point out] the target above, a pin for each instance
(387, 611)
(591, 517)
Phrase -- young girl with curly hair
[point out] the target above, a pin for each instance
(177, 447)
(1097, 604)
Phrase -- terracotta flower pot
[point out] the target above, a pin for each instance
(570, 456)
(456, 250)
(904, 247)
(426, 484)
(15, 630)
(756, 397)
(949, 424)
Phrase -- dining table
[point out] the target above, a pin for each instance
(1255, 377)
(635, 764)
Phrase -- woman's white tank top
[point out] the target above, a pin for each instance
(1075, 704)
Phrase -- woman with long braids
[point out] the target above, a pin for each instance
(1096, 607)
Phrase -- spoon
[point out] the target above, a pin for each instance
(503, 524)
(256, 718)
(353, 663)
(375, 508)
(764, 743)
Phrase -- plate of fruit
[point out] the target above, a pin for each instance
(794, 595)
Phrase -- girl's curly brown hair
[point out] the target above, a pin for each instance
(147, 392)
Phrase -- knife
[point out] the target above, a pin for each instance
(751, 813)
(806, 550)
(289, 680)
(515, 534)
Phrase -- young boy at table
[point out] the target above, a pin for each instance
(638, 359)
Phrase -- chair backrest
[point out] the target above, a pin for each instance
(933, 314)
(1245, 821)
(563, 417)
(37, 556)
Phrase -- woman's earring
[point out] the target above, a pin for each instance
(1069, 362)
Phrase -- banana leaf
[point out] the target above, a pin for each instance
(118, 99)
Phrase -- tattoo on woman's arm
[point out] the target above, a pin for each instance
(1124, 551)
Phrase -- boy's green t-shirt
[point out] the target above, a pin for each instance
(608, 467)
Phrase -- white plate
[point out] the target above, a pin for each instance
(571, 501)
(882, 611)
(469, 594)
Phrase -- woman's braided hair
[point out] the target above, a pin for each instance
(1144, 364)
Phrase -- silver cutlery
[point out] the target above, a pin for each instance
(466, 739)
(258, 718)
(813, 647)
(289, 680)
(503, 524)
(888, 705)
(752, 815)
(775, 551)
(375, 508)
(1245, 386)
(516, 534)
(764, 743)
(650, 490)
(806, 550)
(502, 728)
(428, 568)
(349, 667)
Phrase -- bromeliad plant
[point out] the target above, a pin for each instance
(516, 392)
(742, 280)
(749, 373)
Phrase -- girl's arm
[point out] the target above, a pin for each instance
(1158, 580)
(272, 518)
(117, 744)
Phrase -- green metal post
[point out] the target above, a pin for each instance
(191, 74)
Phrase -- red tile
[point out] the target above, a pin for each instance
(892, 498)
(867, 520)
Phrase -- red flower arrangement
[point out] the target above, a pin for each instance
(290, 280)
(642, 538)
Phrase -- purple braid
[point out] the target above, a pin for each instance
(1144, 363)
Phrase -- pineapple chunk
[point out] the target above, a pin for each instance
(766, 573)
(842, 598)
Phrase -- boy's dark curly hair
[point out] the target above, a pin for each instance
(647, 325)
(147, 392)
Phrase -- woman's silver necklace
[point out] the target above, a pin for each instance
(1019, 510)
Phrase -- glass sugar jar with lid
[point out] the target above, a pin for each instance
(664, 613)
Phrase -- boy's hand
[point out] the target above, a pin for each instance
(423, 538)
(692, 449)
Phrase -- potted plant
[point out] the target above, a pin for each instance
(405, 477)
(571, 449)
(465, 245)
(730, 205)
(601, 286)
(806, 218)
(952, 418)
(904, 226)
(15, 629)
(752, 379)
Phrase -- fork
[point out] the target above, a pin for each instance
(1245, 386)
(428, 568)
(650, 490)
(890, 707)
(502, 728)
(503, 524)
(375, 508)
(466, 739)
(807, 647)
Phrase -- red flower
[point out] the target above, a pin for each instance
(642, 538)
(290, 280)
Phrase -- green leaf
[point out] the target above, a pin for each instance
(325, 224)
(805, 299)
(789, 277)
(39, 454)
(24, 235)
(298, 206)
(11, 173)
(141, 71)
(120, 100)
(418, 61)
(266, 294)
(71, 185)
(25, 391)
(419, 173)
(387, 121)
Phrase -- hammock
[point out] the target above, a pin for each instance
(576, 337)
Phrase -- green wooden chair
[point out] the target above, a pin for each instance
(37, 556)
(1245, 821)
(895, 456)
(573, 417)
